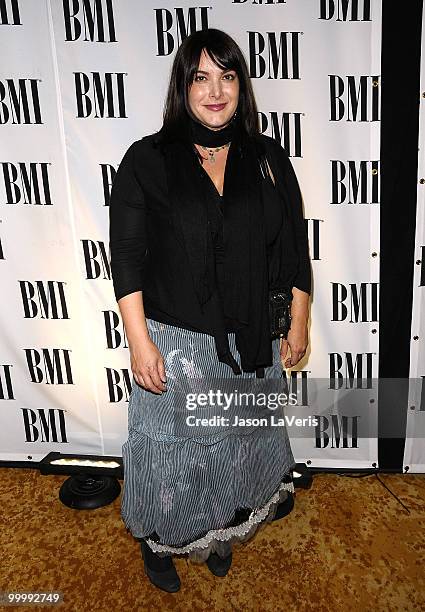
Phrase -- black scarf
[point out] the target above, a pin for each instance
(246, 275)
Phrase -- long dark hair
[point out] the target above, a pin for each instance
(227, 55)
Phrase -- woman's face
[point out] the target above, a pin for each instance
(214, 94)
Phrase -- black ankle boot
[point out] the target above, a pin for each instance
(217, 565)
(160, 570)
(285, 507)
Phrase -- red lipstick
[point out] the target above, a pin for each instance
(215, 107)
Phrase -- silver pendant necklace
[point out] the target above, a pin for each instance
(211, 152)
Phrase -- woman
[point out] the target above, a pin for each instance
(199, 234)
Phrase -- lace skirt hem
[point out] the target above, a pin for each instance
(221, 541)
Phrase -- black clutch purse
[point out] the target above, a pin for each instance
(280, 312)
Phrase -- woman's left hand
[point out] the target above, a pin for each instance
(297, 342)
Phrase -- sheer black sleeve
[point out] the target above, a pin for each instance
(127, 229)
(303, 278)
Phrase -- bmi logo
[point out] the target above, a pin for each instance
(26, 183)
(285, 128)
(108, 175)
(119, 384)
(313, 231)
(354, 98)
(44, 299)
(355, 303)
(350, 370)
(89, 20)
(295, 384)
(260, 1)
(100, 95)
(274, 55)
(173, 26)
(9, 12)
(44, 425)
(49, 366)
(345, 10)
(114, 330)
(355, 182)
(96, 260)
(337, 431)
(20, 101)
(6, 386)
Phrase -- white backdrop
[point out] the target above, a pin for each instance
(80, 80)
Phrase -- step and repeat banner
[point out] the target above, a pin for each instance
(80, 80)
(414, 450)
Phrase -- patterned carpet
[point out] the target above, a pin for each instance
(347, 545)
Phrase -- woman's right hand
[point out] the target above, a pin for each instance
(148, 367)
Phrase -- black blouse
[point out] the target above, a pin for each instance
(273, 218)
(147, 252)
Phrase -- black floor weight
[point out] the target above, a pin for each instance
(87, 492)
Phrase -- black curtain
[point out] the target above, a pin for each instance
(400, 81)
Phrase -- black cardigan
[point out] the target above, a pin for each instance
(147, 253)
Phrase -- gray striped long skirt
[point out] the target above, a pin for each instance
(194, 487)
